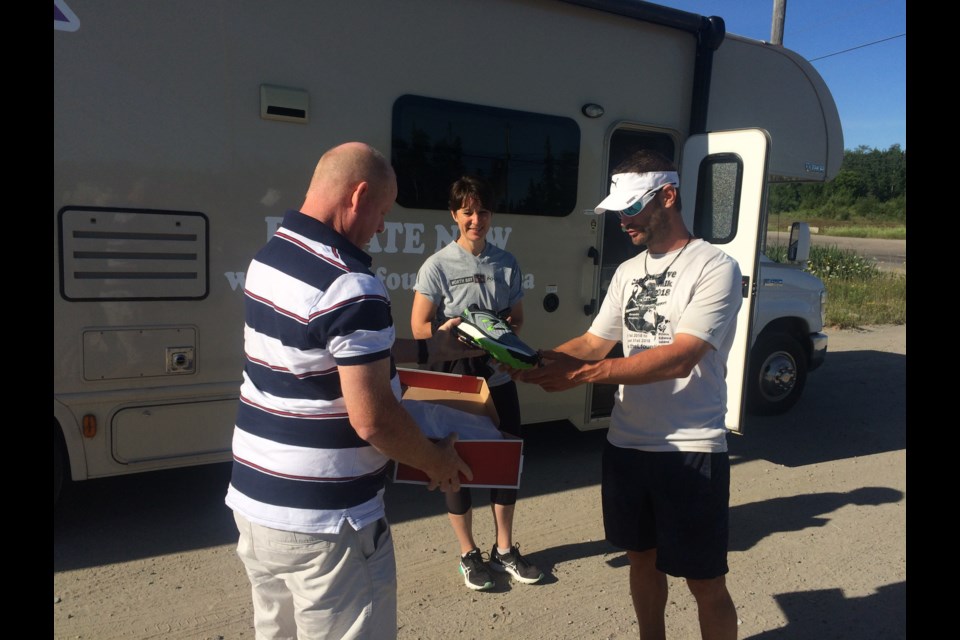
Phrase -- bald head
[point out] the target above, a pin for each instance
(352, 183)
(344, 167)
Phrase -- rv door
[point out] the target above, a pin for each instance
(723, 176)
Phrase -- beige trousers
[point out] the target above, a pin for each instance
(318, 586)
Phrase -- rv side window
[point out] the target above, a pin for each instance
(718, 198)
(531, 158)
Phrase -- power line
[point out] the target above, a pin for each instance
(902, 35)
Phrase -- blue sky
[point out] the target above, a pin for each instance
(869, 83)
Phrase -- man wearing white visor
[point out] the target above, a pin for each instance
(666, 472)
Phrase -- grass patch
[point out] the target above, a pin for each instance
(851, 304)
(885, 233)
(858, 293)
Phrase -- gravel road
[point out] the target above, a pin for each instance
(817, 550)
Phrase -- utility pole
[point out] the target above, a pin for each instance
(776, 29)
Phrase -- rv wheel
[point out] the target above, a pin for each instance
(778, 373)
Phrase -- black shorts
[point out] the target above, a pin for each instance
(675, 502)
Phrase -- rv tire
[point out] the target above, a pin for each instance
(778, 374)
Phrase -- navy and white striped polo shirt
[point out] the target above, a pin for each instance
(312, 303)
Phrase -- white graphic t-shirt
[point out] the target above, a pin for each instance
(697, 292)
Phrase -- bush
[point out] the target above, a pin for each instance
(830, 262)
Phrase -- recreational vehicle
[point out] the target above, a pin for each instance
(183, 130)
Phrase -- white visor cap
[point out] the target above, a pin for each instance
(627, 188)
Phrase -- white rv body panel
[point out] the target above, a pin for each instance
(179, 113)
(757, 82)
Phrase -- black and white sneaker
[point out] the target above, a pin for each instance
(515, 564)
(475, 573)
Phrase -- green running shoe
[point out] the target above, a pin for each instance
(482, 328)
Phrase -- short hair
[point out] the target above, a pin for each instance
(470, 187)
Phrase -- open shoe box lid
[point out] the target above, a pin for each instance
(465, 393)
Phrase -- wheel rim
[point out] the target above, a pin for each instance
(778, 376)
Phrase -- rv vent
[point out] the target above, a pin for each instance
(286, 105)
(132, 254)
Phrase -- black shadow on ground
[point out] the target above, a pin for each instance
(854, 405)
(751, 523)
(828, 614)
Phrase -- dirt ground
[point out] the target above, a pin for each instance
(817, 549)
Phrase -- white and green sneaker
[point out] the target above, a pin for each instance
(482, 328)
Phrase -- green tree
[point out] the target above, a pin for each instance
(870, 184)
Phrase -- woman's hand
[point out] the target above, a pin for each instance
(446, 344)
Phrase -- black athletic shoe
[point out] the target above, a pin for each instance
(515, 564)
(476, 575)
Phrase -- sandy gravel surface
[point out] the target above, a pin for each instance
(818, 544)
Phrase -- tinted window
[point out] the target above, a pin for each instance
(718, 198)
(531, 159)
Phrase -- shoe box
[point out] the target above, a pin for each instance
(495, 461)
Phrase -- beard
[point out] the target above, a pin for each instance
(657, 227)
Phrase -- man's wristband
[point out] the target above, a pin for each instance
(422, 352)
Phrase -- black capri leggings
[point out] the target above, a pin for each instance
(508, 409)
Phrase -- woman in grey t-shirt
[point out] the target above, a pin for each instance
(474, 271)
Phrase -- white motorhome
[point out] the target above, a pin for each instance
(183, 130)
